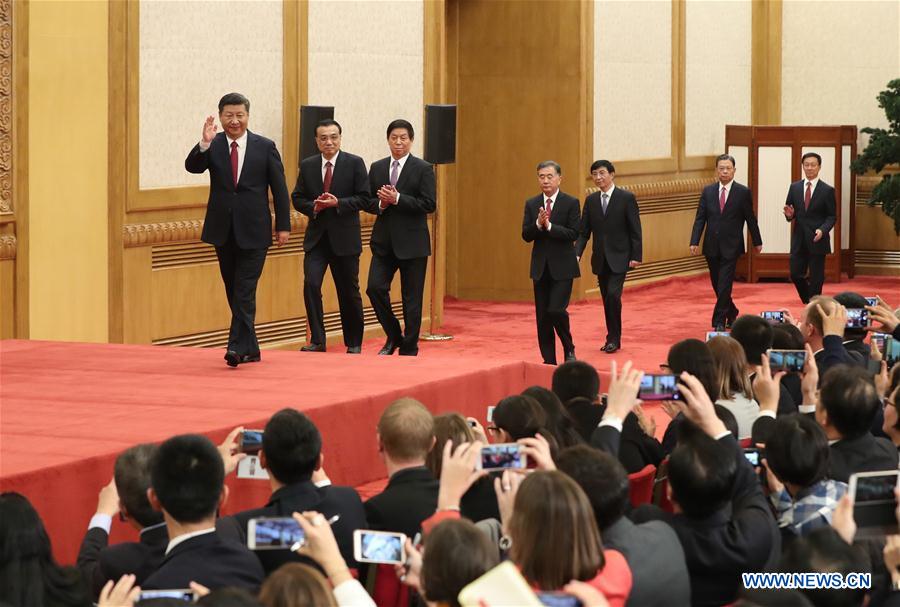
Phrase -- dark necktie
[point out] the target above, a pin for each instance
(807, 196)
(605, 202)
(234, 162)
(326, 185)
(395, 172)
(723, 196)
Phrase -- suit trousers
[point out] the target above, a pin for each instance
(801, 261)
(345, 272)
(721, 275)
(611, 284)
(412, 288)
(551, 300)
(241, 269)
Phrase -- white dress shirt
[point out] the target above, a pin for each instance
(813, 183)
(241, 150)
(402, 162)
(186, 536)
(333, 161)
(544, 206)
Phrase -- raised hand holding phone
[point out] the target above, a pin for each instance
(623, 389)
(322, 547)
(458, 472)
(698, 406)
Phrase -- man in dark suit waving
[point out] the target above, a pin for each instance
(611, 216)
(810, 202)
(243, 167)
(724, 208)
(331, 189)
(551, 223)
(403, 194)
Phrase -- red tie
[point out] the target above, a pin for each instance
(547, 207)
(807, 196)
(326, 184)
(723, 194)
(234, 162)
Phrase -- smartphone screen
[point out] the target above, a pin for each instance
(857, 318)
(251, 441)
(878, 339)
(181, 594)
(791, 361)
(891, 351)
(711, 334)
(871, 301)
(874, 502)
(773, 316)
(499, 457)
(558, 599)
(490, 414)
(752, 455)
(379, 546)
(276, 533)
(659, 387)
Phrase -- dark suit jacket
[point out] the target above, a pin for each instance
(740, 537)
(409, 498)
(402, 229)
(819, 216)
(305, 496)
(210, 561)
(635, 450)
(99, 562)
(554, 248)
(833, 353)
(859, 352)
(656, 559)
(245, 208)
(863, 454)
(617, 235)
(725, 229)
(350, 185)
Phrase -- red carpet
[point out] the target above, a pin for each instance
(67, 409)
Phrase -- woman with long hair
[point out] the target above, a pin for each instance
(735, 391)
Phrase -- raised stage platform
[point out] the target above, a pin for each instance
(68, 409)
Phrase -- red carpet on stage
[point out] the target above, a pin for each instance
(67, 409)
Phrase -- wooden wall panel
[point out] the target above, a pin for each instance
(7, 298)
(879, 245)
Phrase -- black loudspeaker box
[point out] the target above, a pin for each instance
(440, 134)
(310, 115)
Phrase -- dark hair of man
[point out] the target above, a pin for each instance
(811, 155)
(400, 123)
(695, 357)
(292, 445)
(296, 585)
(755, 334)
(559, 423)
(456, 554)
(727, 157)
(234, 99)
(549, 504)
(602, 478)
(328, 122)
(701, 472)
(849, 398)
(576, 378)
(786, 336)
(726, 417)
(406, 429)
(132, 475)
(522, 417)
(452, 427)
(849, 299)
(29, 574)
(823, 551)
(546, 164)
(603, 164)
(187, 475)
(797, 451)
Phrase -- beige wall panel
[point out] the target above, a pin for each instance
(836, 57)
(192, 53)
(366, 59)
(875, 230)
(671, 234)
(846, 197)
(188, 299)
(741, 155)
(717, 72)
(774, 178)
(632, 80)
(67, 170)
(137, 295)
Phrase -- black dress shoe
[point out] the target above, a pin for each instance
(313, 348)
(388, 348)
(354, 350)
(232, 358)
(570, 356)
(251, 358)
(610, 347)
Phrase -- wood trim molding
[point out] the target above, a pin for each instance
(665, 196)
(8, 245)
(765, 66)
(679, 77)
(19, 11)
(7, 162)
